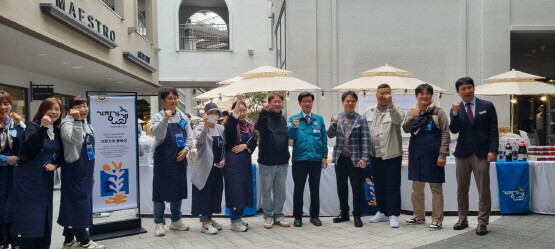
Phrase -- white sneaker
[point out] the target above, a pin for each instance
(159, 230)
(378, 217)
(73, 244)
(281, 221)
(245, 223)
(179, 225)
(238, 227)
(268, 222)
(209, 229)
(216, 225)
(394, 221)
(92, 245)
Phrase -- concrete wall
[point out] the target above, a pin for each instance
(330, 42)
(25, 15)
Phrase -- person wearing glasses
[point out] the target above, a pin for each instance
(77, 176)
(33, 187)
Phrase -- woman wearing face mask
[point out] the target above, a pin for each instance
(40, 155)
(240, 144)
(11, 136)
(207, 176)
(77, 176)
(172, 142)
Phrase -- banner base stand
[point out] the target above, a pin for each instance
(116, 229)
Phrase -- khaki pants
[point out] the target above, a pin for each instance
(480, 168)
(418, 200)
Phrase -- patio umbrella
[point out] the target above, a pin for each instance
(514, 82)
(267, 79)
(217, 92)
(399, 80)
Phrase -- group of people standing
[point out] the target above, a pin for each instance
(29, 154)
(374, 138)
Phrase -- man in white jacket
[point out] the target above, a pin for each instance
(384, 121)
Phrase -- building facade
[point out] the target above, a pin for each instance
(77, 46)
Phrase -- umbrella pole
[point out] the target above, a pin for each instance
(511, 112)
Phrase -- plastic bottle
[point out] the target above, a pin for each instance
(522, 152)
(508, 152)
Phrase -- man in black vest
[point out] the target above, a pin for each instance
(475, 120)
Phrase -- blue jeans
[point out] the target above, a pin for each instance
(159, 207)
(235, 215)
(272, 181)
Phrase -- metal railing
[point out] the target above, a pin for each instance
(203, 36)
(141, 25)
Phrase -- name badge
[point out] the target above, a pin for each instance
(428, 126)
(90, 151)
(180, 140)
(183, 123)
(13, 132)
(316, 131)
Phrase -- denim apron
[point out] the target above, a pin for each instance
(33, 193)
(76, 192)
(423, 154)
(209, 200)
(238, 177)
(170, 177)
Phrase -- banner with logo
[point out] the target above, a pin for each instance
(114, 121)
(514, 187)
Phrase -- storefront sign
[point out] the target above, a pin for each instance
(77, 19)
(141, 59)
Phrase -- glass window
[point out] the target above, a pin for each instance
(280, 39)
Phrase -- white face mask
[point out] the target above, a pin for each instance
(213, 118)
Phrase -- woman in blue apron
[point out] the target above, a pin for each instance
(240, 144)
(11, 134)
(77, 176)
(428, 148)
(172, 142)
(40, 155)
(206, 174)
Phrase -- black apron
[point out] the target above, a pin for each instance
(33, 194)
(238, 177)
(209, 200)
(76, 192)
(170, 177)
(6, 178)
(423, 154)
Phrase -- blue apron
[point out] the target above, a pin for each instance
(6, 176)
(76, 192)
(33, 194)
(238, 177)
(170, 177)
(209, 200)
(423, 154)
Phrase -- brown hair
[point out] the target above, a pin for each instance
(45, 106)
(5, 96)
(76, 100)
(273, 95)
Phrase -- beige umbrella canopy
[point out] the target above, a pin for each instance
(515, 82)
(229, 81)
(267, 79)
(217, 92)
(399, 80)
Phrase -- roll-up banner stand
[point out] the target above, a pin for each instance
(113, 116)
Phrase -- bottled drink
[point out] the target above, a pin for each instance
(508, 152)
(522, 152)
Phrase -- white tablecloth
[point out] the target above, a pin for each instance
(542, 185)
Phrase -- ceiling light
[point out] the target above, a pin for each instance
(78, 67)
(543, 98)
(120, 82)
(41, 54)
(513, 100)
(65, 62)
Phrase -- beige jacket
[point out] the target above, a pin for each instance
(391, 143)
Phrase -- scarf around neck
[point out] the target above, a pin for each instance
(243, 127)
(5, 138)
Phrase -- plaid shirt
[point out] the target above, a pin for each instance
(359, 140)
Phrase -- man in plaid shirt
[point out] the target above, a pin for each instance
(350, 155)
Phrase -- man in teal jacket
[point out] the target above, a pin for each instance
(310, 152)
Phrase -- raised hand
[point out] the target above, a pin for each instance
(335, 119)
(455, 107)
(167, 114)
(15, 118)
(45, 121)
(296, 123)
(75, 114)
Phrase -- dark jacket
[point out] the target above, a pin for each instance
(34, 136)
(231, 135)
(480, 138)
(274, 145)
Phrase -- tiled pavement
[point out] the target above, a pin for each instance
(531, 231)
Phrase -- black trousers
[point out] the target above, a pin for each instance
(6, 237)
(387, 184)
(301, 170)
(345, 171)
(34, 243)
(80, 235)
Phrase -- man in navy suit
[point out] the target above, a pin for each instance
(476, 122)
